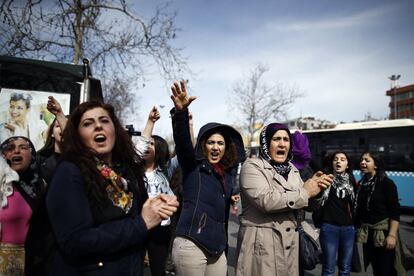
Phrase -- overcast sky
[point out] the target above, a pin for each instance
(340, 53)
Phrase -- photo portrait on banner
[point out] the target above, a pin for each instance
(24, 113)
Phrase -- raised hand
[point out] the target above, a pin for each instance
(154, 114)
(179, 96)
(53, 106)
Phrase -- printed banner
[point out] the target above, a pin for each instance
(24, 113)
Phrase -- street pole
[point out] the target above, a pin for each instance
(395, 103)
(394, 79)
(85, 92)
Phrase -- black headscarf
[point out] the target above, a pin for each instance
(30, 184)
(265, 139)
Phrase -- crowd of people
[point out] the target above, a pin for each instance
(94, 201)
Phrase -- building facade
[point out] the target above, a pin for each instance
(402, 102)
(306, 123)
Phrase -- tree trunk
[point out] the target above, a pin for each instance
(78, 45)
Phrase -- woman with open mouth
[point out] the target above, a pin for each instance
(336, 219)
(97, 203)
(159, 168)
(20, 188)
(208, 176)
(271, 192)
(378, 216)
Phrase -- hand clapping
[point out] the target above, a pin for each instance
(317, 183)
(157, 209)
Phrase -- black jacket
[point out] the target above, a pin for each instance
(91, 243)
(206, 202)
(383, 203)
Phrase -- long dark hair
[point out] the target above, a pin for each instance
(74, 150)
(229, 159)
(162, 153)
(379, 162)
(348, 170)
(49, 148)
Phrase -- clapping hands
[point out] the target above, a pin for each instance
(317, 183)
(158, 208)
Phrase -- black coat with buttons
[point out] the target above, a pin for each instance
(206, 201)
(91, 241)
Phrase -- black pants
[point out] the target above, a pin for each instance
(157, 246)
(381, 259)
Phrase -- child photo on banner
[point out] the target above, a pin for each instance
(24, 113)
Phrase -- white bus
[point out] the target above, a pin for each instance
(393, 139)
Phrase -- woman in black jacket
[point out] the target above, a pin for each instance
(39, 243)
(201, 234)
(97, 203)
(377, 215)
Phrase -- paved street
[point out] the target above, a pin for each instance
(406, 230)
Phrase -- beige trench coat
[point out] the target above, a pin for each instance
(267, 243)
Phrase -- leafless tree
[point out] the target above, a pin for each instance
(118, 95)
(259, 103)
(119, 43)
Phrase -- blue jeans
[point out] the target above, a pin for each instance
(336, 240)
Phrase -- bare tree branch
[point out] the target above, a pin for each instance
(112, 35)
(259, 104)
(118, 96)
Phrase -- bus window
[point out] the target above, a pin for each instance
(392, 139)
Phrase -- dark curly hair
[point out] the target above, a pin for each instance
(378, 161)
(229, 159)
(75, 150)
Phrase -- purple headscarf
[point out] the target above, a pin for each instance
(300, 149)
